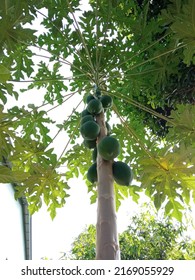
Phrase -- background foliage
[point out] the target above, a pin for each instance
(147, 237)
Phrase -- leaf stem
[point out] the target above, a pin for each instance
(61, 33)
(64, 125)
(141, 106)
(104, 38)
(77, 29)
(97, 39)
(132, 133)
(63, 60)
(36, 108)
(47, 80)
(71, 135)
(137, 53)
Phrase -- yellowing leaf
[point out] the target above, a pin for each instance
(184, 125)
(4, 74)
(174, 209)
(164, 164)
(9, 176)
(5, 175)
(163, 177)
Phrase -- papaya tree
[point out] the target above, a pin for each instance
(132, 59)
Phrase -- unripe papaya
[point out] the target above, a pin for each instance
(85, 113)
(89, 98)
(90, 130)
(91, 144)
(86, 119)
(94, 154)
(106, 101)
(122, 173)
(108, 128)
(108, 148)
(98, 93)
(94, 107)
(92, 173)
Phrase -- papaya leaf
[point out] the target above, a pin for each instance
(52, 82)
(46, 185)
(122, 192)
(174, 208)
(79, 163)
(159, 198)
(23, 63)
(7, 89)
(118, 197)
(8, 176)
(184, 28)
(4, 74)
(162, 179)
(184, 125)
(32, 123)
(134, 192)
(93, 197)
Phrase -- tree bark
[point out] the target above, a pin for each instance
(107, 245)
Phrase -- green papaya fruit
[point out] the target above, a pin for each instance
(108, 148)
(91, 144)
(94, 154)
(90, 130)
(94, 107)
(122, 173)
(89, 98)
(92, 173)
(106, 101)
(86, 119)
(85, 113)
(108, 128)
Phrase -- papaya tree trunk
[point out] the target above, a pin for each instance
(107, 245)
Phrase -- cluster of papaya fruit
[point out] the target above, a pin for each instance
(108, 147)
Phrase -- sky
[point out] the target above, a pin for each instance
(52, 238)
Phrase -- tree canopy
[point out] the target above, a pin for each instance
(139, 52)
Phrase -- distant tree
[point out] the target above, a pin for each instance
(83, 248)
(146, 238)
